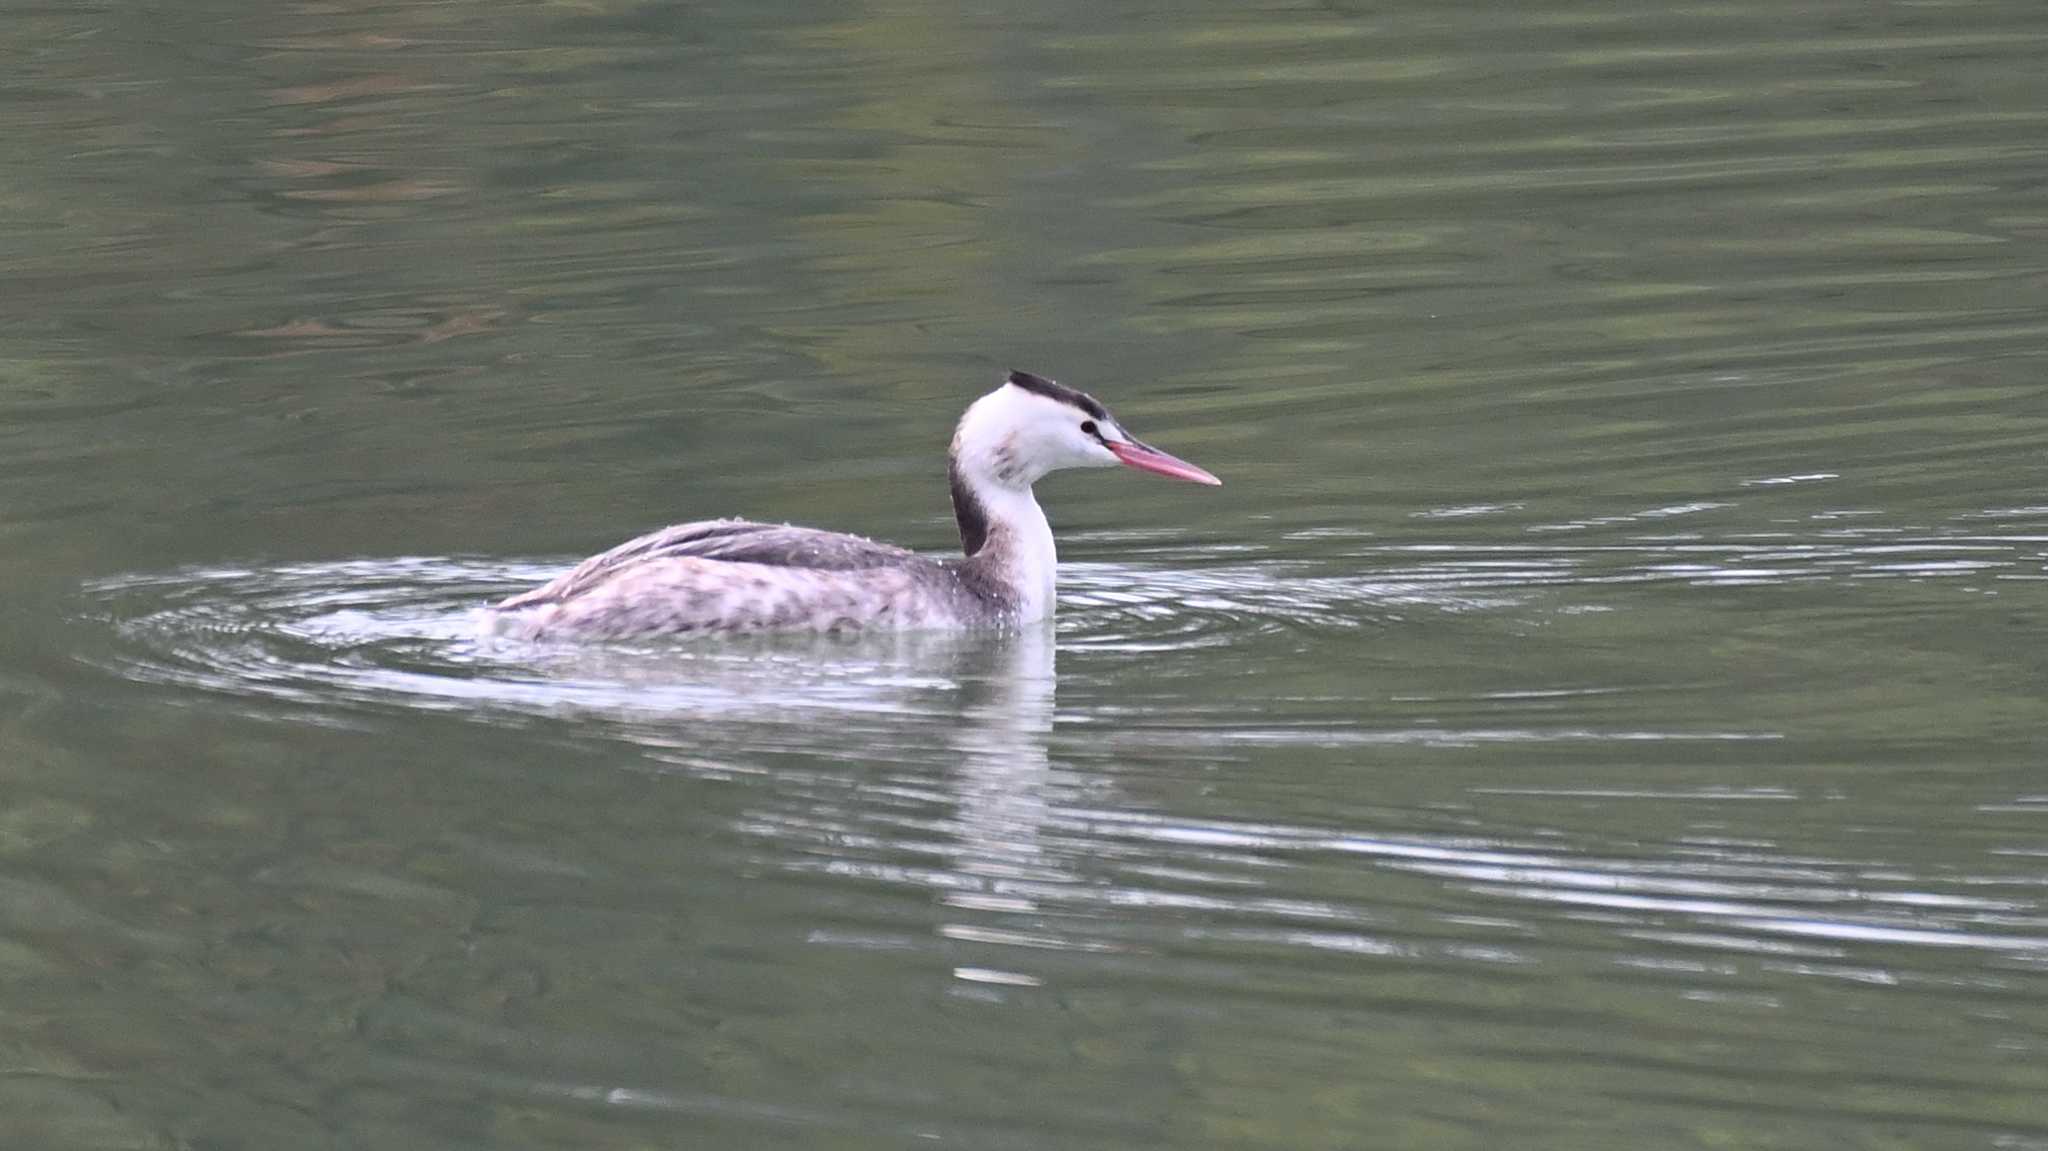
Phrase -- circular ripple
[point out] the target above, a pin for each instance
(355, 630)
(408, 630)
(1128, 608)
(406, 633)
(405, 630)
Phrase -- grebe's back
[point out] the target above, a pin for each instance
(736, 575)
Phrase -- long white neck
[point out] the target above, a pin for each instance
(1003, 530)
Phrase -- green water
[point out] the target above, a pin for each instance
(1603, 708)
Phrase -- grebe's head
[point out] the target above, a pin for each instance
(1030, 426)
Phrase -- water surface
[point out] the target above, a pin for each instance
(1602, 708)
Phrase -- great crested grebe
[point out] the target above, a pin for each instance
(737, 576)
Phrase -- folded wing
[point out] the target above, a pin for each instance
(727, 541)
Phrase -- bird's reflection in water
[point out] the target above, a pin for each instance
(1009, 881)
(1003, 775)
(917, 761)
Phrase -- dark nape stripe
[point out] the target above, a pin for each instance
(1060, 392)
(972, 517)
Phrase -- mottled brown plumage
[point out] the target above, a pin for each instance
(738, 576)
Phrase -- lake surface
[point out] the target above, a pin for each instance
(1603, 708)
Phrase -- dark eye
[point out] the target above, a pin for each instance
(1088, 429)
